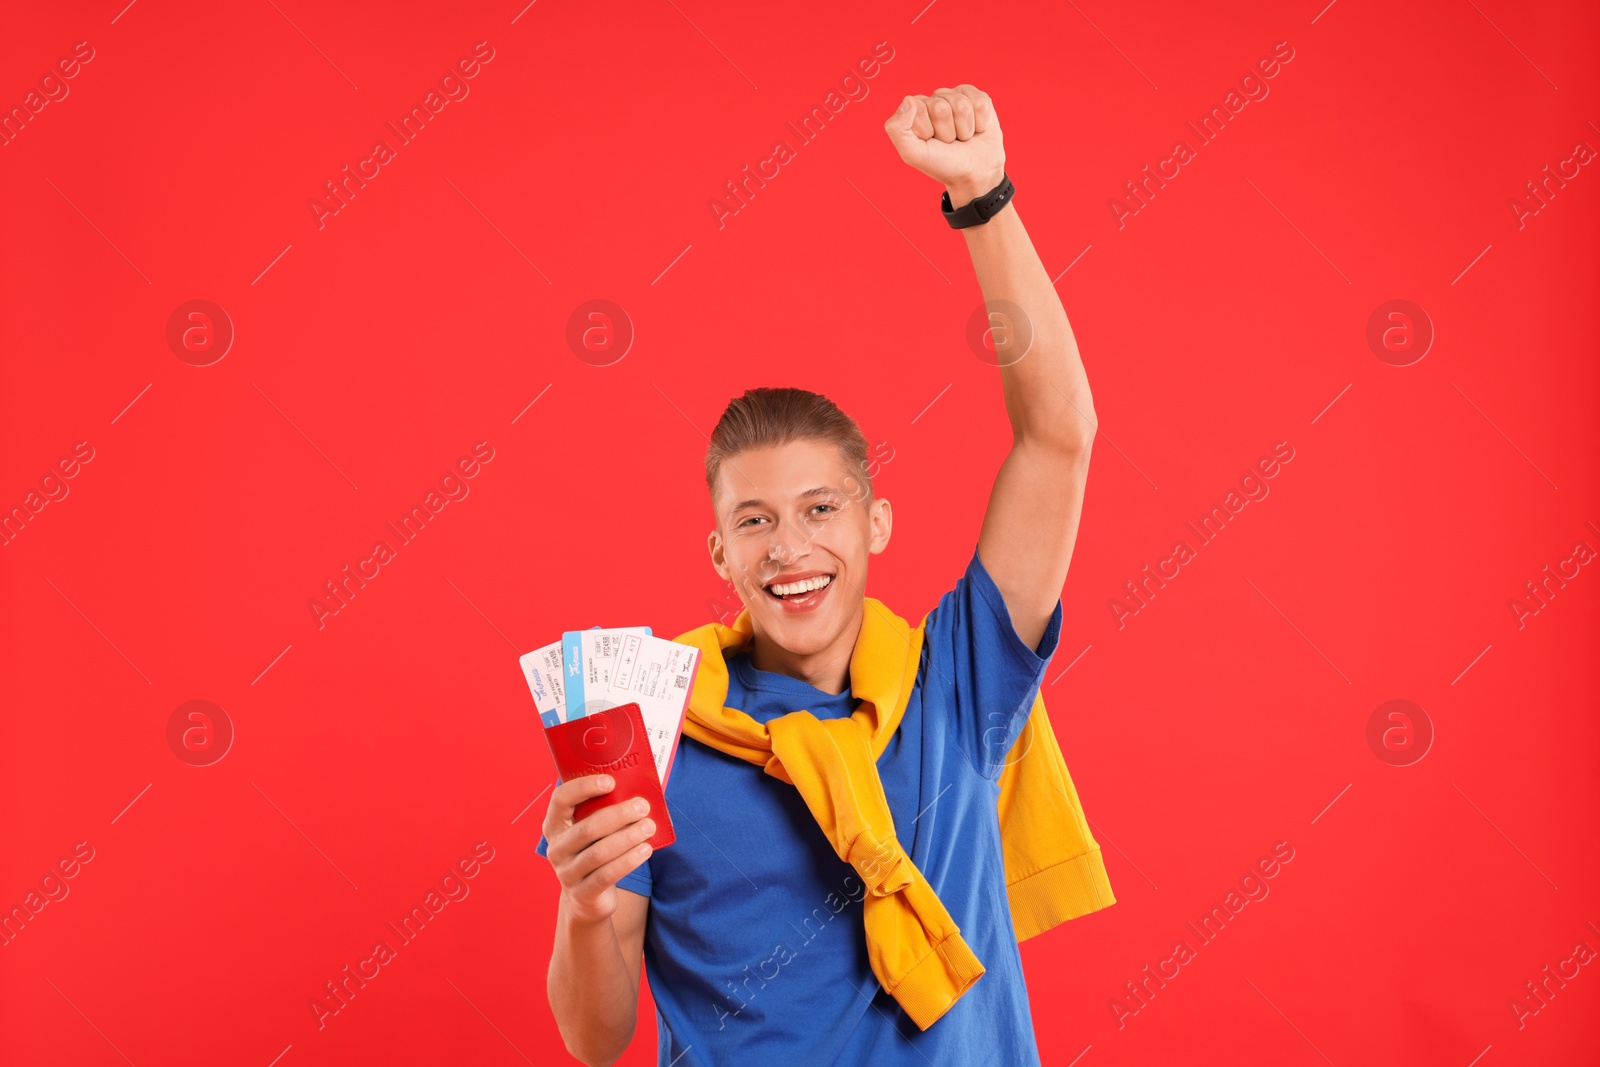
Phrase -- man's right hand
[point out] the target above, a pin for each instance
(589, 855)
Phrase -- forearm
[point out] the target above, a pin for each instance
(1046, 390)
(593, 997)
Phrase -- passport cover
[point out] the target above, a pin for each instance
(612, 742)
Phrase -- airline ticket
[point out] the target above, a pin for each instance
(542, 669)
(586, 657)
(659, 674)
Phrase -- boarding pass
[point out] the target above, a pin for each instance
(593, 670)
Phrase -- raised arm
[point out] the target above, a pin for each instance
(953, 136)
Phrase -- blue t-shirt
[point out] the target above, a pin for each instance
(754, 943)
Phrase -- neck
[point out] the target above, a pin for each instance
(827, 670)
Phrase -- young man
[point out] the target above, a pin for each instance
(869, 815)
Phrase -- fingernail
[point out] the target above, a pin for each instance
(606, 782)
(648, 827)
(641, 805)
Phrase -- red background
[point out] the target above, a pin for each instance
(1227, 315)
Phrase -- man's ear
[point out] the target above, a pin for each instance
(882, 520)
(719, 559)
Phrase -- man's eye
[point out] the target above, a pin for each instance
(753, 518)
(830, 507)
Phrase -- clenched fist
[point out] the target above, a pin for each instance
(953, 137)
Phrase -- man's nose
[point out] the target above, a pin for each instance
(791, 541)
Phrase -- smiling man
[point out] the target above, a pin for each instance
(870, 815)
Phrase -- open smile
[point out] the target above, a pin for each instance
(800, 593)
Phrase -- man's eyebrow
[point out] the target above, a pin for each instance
(807, 495)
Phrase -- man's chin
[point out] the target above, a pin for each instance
(804, 635)
(801, 641)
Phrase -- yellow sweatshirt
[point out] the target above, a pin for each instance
(1054, 870)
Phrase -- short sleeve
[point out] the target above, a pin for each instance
(979, 670)
(637, 880)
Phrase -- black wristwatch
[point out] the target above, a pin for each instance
(982, 208)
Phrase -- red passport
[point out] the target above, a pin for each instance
(612, 742)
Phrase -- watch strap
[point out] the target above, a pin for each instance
(981, 209)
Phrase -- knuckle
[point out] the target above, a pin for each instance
(598, 855)
(617, 816)
(583, 833)
(585, 830)
(607, 874)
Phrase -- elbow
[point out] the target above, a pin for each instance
(588, 1039)
(1081, 430)
(1068, 433)
(591, 1056)
(1081, 439)
(1070, 443)
(595, 1044)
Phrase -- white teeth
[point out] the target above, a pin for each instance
(805, 585)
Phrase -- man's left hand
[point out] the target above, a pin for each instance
(953, 137)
